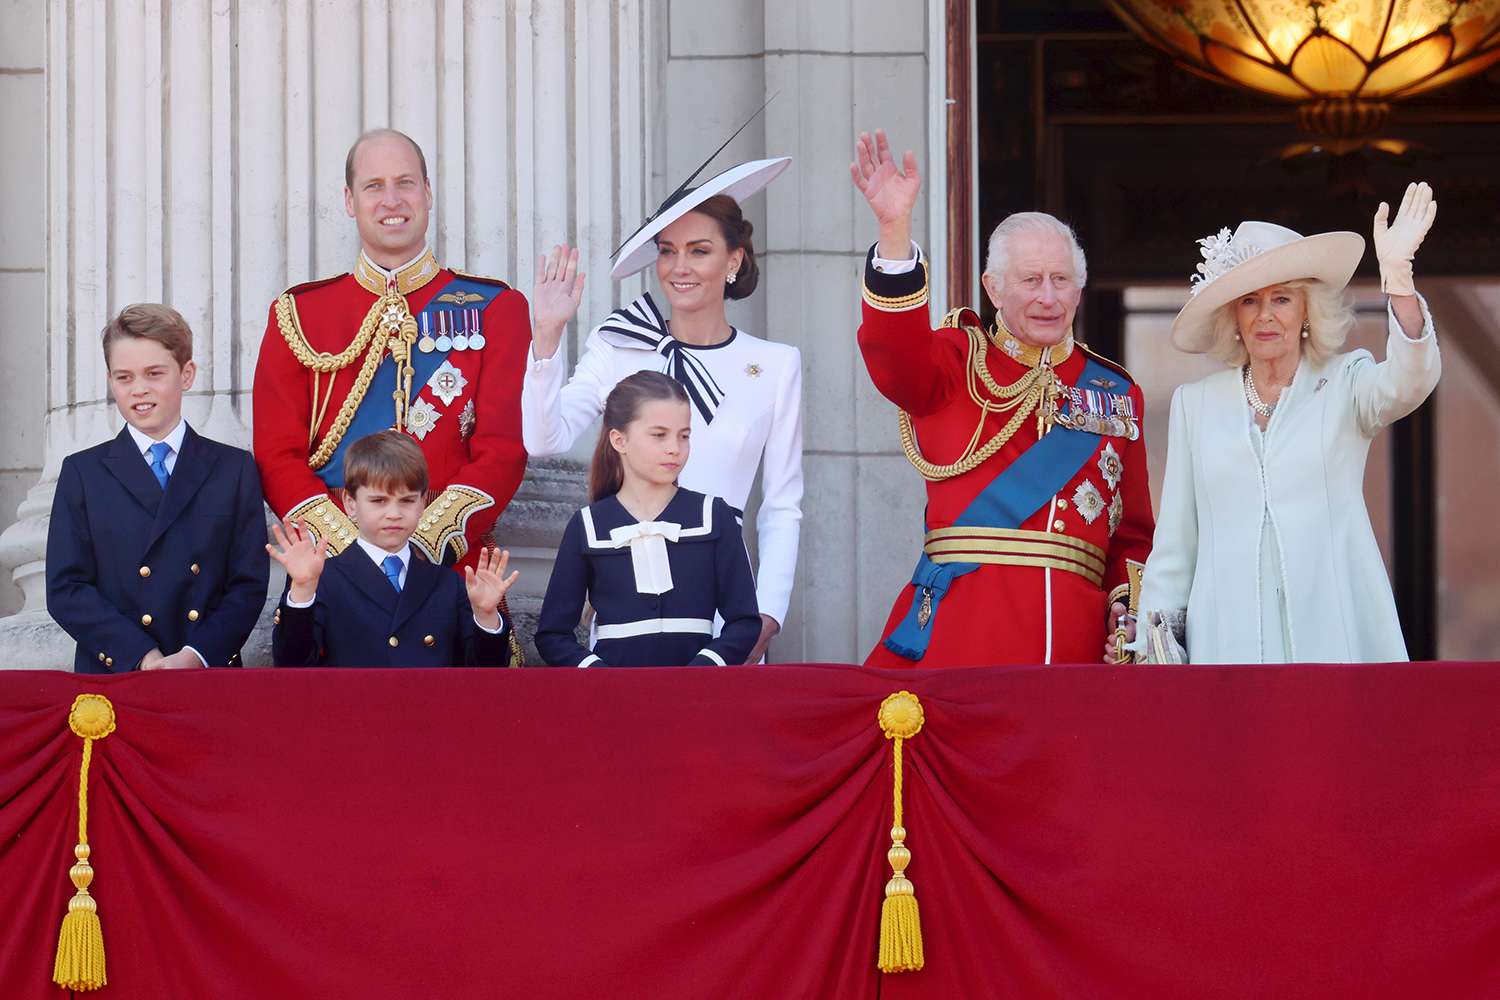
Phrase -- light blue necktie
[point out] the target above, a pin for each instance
(392, 567)
(159, 452)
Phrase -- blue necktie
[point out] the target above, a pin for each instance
(392, 567)
(159, 452)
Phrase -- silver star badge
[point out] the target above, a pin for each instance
(420, 418)
(447, 383)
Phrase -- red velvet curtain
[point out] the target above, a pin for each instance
(1195, 832)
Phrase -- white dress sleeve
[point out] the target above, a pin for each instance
(778, 525)
(554, 414)
(1385, 392)
(1168, 577)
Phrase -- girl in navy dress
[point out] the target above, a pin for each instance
(657, 562)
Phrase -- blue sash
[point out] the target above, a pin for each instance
(1032, 480)
(376, 412)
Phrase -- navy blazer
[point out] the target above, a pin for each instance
(130, 567)
(710, 574)
(358, 619)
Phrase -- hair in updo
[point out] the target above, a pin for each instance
(621, 408)
(737, 231)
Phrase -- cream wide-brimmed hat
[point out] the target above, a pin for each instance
(1257, 255)
(738, 182)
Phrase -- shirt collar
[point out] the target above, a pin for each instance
(378, 555)
(173, 440)
(408, 277)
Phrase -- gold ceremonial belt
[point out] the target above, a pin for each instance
(1016, 547)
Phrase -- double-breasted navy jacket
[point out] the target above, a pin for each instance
(357, 619)
(131, 567)
(710, 573)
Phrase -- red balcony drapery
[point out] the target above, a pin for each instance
(1306, 831)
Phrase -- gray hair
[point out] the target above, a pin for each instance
(1330, 317)
(1017, 223)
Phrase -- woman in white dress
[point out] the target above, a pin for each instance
(746, 392)
(1263, 543)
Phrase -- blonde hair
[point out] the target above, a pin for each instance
(1330, 317)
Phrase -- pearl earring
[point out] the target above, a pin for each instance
(733, 277)
(1306, 330)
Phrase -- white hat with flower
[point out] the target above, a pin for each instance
(1258, 255)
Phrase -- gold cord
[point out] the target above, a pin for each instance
(389, 311)
(1023, 396)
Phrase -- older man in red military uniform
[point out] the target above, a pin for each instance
(400, 342)
(1037, 491)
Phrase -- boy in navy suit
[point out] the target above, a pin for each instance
(379, 603)
(154, 554)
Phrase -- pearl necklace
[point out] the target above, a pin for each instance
(1252, 397)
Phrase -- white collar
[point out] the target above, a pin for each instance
(378, 555)
(173, 440)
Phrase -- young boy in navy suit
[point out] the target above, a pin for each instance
(155, 557)
(379, 603)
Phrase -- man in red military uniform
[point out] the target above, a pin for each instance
(1037, 489)
(401, 342)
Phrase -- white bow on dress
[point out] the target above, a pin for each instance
(648, 553)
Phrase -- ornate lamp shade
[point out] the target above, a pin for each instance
(1344, 60)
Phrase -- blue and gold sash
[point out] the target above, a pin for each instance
(450, 322)
(1019, 491)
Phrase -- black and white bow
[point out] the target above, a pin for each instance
(640, 326)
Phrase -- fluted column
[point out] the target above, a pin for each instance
(195, 157)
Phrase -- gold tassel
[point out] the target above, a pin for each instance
(80, 943)
(900, 923)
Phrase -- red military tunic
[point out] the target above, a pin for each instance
(467, 418)
(1046, 596)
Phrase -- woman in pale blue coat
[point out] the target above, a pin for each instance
(1264, 551)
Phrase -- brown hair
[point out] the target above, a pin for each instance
(151, 321)
(737, 231)
(378, 133)
(387, 460)
(607, 473)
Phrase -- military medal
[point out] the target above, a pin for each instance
(476, 338)
(426, 345)
(461, 328)
(444, 342)
(1098, 412)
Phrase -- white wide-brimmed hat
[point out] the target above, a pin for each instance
(738, 183)
(1257, 255)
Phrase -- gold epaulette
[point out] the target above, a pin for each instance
(321, 516)
(442, 523)
(896, 303)
(961, 318)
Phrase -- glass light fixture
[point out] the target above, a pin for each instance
(1343, 61)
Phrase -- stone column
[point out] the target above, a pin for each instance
(195, 156)
(837, 69)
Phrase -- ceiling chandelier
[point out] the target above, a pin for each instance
(1343, 61)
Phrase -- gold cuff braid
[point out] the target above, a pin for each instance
(897, 303)
(324, 519)
(442, 523)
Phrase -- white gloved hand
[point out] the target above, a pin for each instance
(1397, 244)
